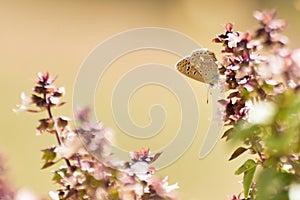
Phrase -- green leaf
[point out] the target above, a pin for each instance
(237, 153)
(227, 134)
(245, 130)
(273, 185)
(247, 180)
(48, 154)
(113, 193)
(245, 167)
(59, 174)
(268, 88)
(82, 193)
(56, 177)
(248, 168)
(92, 182)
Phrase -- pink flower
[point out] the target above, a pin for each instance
(54, 195)
(296, 56)
(131, 191)
(45, 79)
(69, 146)
(25, 194)
(143, 155)
(234, 197)
(140, 155)
(163, 189)
(82, 114)
(265, 16)
(233, 39)
(26, 101)
(267, 20)
(229, 27)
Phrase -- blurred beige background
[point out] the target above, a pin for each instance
(57, 36)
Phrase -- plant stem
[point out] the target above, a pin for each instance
(56, 132)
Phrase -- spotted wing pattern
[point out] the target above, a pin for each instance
(200, 65)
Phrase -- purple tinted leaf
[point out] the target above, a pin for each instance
(222, 102)
(237, 153)
(33, 111)
(39, 89)
(47, 164)
(45, 124)
(38, 101)
(61, 103)
(234, 94)
(156, 156)
(62, 122)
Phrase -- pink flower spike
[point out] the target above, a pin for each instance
(45, 79)
(265, 16)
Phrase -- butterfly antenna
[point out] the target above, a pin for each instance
(208, 88)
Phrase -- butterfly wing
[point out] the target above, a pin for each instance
(200, 65)
(187, 68)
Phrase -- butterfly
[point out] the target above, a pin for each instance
(200, 65)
